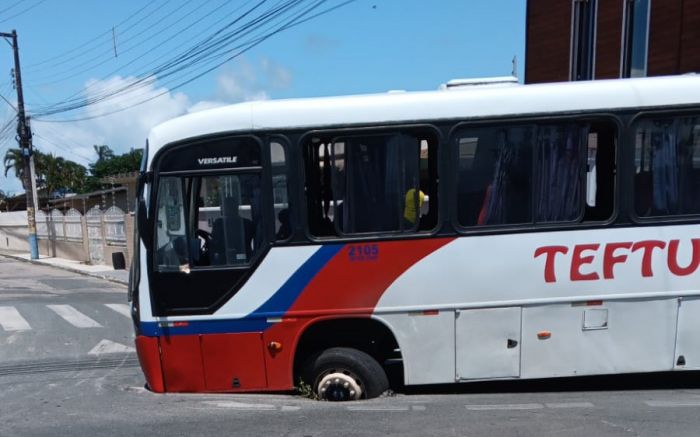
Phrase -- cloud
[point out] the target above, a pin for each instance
(245, 81)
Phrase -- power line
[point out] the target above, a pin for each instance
(143, 74)
(8, 102)
(65, 148)
(165, 39)
(299, 19)
(23, 11)
(87, 43)
(105, 55)
(11, 6)
(190, 58)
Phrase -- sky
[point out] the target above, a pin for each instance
(67, 51)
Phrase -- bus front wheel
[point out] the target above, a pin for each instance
(345, 374)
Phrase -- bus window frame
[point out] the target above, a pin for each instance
(265, 187)
(630, 137)
(614, 119)
(286, 143)
(382, 129)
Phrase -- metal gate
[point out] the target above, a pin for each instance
(93, 219)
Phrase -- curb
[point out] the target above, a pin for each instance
(66, 268)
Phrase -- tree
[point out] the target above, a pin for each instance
(109, 164)
(15, 161)
(54, 174)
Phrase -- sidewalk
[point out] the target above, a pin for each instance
(95, 271)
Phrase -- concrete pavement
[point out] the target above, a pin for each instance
(95, 271)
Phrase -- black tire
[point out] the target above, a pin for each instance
(364, 369)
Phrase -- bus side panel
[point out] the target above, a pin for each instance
(149, 358)
(427, 343)
(233, 362)
(182, 363)
(614, 337)
(280, 365)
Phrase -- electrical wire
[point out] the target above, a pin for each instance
(65, 148)
(86, 47)
(167, 38)
(191, 56)
(146, 78)
(107, 55)
(300, 19)
(11, 6)
(22, 11)
(8, 102)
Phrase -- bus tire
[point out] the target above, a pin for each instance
(345, 374)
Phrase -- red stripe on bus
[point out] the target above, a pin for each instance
(343, 285)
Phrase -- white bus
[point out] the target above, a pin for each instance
(471, 233)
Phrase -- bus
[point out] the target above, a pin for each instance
(486, 230)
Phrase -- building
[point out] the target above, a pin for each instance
(607, 39)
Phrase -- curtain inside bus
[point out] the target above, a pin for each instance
(667, 167)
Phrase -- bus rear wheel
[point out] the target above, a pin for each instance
(345, 374)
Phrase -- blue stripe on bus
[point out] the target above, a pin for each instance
(276, 306)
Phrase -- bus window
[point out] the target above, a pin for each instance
(380, 183)
(667, 166)
(229, 226)
(495, 175)
(573, 179)
(171, 239)
(601, 168)
(283, 224)
(561, 150)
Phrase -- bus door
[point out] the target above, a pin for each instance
(213, 221)
(487, 343)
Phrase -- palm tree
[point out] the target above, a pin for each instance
(15, 161)
(104, 152)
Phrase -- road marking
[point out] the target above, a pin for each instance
(671, 404)
(12, 320)
(74, 317)
(121, 308)
(110, 347)
(378, 409)
(556, 405)
(505, 407)
(240, 405)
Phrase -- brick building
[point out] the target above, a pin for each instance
(605, 39)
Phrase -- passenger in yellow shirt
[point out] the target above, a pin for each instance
(409, 212)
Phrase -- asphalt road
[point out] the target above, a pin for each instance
(62, 374)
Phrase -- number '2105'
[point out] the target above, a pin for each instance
(363, 252)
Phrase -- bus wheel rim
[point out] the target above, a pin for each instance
(339, 385)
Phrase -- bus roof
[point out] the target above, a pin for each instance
(405, 107)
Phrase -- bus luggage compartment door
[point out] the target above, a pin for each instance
(688, 336)
(487, 343)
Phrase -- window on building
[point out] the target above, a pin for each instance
(549, 173)
(371, 184)
(635, 38)
(667, 166)
(583, 39)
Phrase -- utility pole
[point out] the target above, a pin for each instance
(25, 144)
